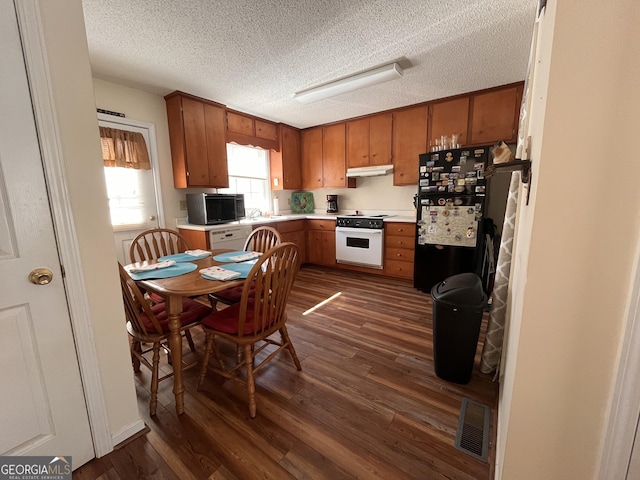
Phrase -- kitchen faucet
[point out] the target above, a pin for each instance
(255, 213)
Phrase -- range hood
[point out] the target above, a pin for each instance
(369, 171)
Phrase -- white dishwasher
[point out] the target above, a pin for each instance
(231, 237)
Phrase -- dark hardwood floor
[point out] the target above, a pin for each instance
(367, 403)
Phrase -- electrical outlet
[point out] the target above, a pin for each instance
(183, 204)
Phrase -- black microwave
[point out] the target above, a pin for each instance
(214, 208)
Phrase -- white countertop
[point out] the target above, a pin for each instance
(283, 218)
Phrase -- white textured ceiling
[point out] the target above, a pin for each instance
(252, 55)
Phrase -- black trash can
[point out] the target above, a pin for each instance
(458, 304)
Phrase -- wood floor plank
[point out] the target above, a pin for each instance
(367, 403)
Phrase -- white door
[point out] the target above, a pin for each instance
(42, 406)
(133, 194)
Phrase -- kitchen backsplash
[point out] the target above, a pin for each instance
(372, 195)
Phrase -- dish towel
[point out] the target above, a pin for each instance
(245, 257)
(198, 253)
(218, 273)
(153, 266)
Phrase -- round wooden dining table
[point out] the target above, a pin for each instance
(173, 289)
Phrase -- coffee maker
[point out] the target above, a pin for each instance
(332, 203)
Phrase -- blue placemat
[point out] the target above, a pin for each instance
(242, 268)
(172, 271)
(183, 257)
(226, 257)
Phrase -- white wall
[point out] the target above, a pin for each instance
(68, 60)
(576, 244)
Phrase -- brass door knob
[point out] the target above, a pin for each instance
(41, 276)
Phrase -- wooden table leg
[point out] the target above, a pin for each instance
(174, 308)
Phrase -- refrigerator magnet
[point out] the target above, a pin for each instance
(480, 174)
(441, 201)
(448, 157)
(479, 188)
(424, 182)
(478, 166)
(432, 229)
(423, 168)
(421, 240)
(455, 168)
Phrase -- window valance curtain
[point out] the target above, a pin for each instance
(121, 148)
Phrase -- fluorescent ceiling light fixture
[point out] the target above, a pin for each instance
(349, 84)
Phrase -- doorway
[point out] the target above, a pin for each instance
(135, 199)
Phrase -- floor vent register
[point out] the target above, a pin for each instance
(472, 436)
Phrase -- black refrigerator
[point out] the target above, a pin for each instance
(450, 205)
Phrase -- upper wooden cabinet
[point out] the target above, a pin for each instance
(494, 115)
(198, 141)
(249, 130)
(409, 141)
(323, 158)
(311, 148)
(369, 141)
(285, 164)
(447, 118)
(334, 166)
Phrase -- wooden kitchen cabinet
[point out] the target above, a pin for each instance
(369, 141)
(198, 141)
(294, 231)
(334, 167)
(494, 115)
(284, 164)
(449, 117)
(321, 242)
(399, 249)
(323, 158)
(409, 141)
(196, 238)
(311, 153)
(245, 129)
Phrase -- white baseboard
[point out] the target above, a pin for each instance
(128, 431)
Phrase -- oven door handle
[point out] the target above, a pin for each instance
(362, 231)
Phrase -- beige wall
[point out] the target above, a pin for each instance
(68, 61)
(576, 244)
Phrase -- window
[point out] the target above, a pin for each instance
(249, 174)
(124, 189)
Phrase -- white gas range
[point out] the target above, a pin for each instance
(360, 240)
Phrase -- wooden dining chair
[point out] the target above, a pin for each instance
(260, 240)
(153, 244)
(260, 313)
(156, 243)
(149, 324)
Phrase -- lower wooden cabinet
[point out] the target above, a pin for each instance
(321, 242)
(195, 238)
(399, 249)
(294, 231)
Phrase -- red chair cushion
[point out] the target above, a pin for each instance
(227, 320)
(232, 295)
(229, 296)
(192, 311)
